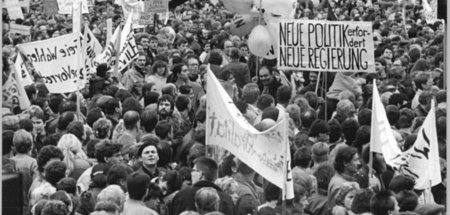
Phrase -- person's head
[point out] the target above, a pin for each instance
(193, 64)
(77, 129)
(54, 207)
(346, 194)
(145, 41)
(347, 160)
(112, 193)
(183, 103)
(335, 130)
(266, 75)
(102, 128)
(320, 130)
(160, 68)
(65, 198)
(234, 54)
(72, 149)
(65, 119)
(284, 94)
(361, 201)
(270, 113)
(207, 200)
(204, 169)
(165, 106)
(148, 154)
(149, 119)
(23, 141)
(250, 93)
(47, 155)
(407, 200)
(164, 129)
(108, 152)
(302, 157)
(37, 116)
(117, 175)
(319, 152)
(54, 172)
(67, 184)
(308, 117)
(131, 121)
(137, 184)
(349, 128)
(131, 103)
(140, 61)
(264, 101)
(384, 203)
(423, 81)
(170, 182)
(401, 182)
(106, 208)
(345, 108)
(227, 46)
(392, 114)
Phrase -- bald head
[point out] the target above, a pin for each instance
(131, 119)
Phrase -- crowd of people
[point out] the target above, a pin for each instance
(136, 145)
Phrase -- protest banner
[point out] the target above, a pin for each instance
(265, 152)
(65, 6)
(55, 61)
(333, 46)
(421, 161)
(13, 8)
(156, 6)
(50, 7)
(14, 94)
(20, 29)
(129, 53)
(146, 19)
(23, 74)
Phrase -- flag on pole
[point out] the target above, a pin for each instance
(421, 161)
(14, 94)
(23, 76)
(381, 136)
(265, 152)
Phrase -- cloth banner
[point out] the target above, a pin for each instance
(93, 49)
(65, 6)
(382, 138)
(430, 11)
(14, 94)
(55, 61)
(421, 161)
(23, 76)
(265, 152)
(333, 46)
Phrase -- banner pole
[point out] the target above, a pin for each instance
(317, 83)
(285, 167)
(446, 68)
(80, 67)
(119, 37)
(324, 90)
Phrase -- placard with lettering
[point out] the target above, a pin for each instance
(56, 62)
(156, 6)
(328, 46)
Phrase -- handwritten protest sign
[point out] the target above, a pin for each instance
(146, 18)
(156, 6)
(50, 7)
(55, 61)
(65, 6)
(265, 152)
(19, 29)
(325, 46)
(14, 10)
(23, 75)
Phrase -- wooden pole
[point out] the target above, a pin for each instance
(446, 69)
(285, 168)
(82, 51)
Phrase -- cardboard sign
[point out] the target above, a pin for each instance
(156, 6)
(325, 46)
(14, 9)
(19, 29)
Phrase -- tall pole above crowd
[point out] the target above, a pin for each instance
(447, 80)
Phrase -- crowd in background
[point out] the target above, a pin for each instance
(137, 145)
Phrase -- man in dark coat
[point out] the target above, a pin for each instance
(203, 174)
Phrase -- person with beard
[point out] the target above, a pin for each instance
(165, 110)
(134, 78)
(268, 84)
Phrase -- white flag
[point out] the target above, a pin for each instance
(381, 136)
(14, 94)
(421, 161)
(265, 152)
